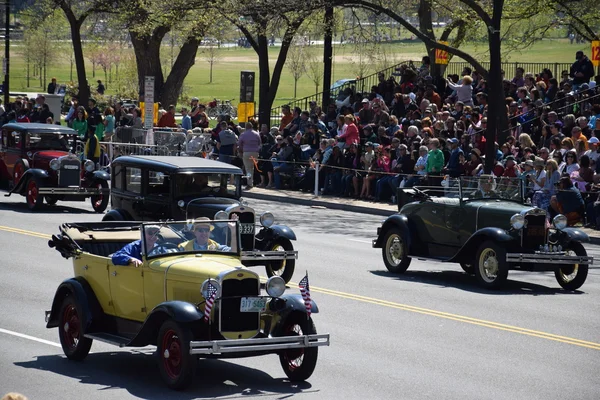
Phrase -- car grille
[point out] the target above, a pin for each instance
(69, 173)
(247, 221)
(534, 232)
(232, 320)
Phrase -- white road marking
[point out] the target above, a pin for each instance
(360, 241)
(21, 335)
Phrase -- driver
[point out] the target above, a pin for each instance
(486, 188)
(131, 254)
(202, 229)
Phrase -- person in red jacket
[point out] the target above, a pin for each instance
(351, 135)
(168, 119)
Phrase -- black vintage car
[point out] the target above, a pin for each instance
(483, 224)
(37, 161)
(152, 188)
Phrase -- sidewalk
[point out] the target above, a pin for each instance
(347, 204)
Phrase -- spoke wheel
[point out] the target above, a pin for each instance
(100, 201)
(395, 255)
(283, 268)
(571, 277)
(70, 331)
(177, 366)
(299, 364)
(491, 269)
(32, 196)
(18, 171)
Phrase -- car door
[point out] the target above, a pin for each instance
(94, 270)
(440, 237)
(157, 193)
(12, 152)
(127, 291)
(131, 197)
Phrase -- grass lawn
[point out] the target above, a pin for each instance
(226, 73)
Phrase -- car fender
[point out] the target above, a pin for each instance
(393, 221)
(470, 247)
(276, 231)
(101, 175)
(293, 303)
(178, 311)
(27, 175)
(576, 235)
(83, 293)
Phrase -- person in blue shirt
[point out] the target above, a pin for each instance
(186, 120)
(131, 254)
(453, 166)
(202, 229)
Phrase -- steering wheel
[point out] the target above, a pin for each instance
(420, 193)
(163, 248)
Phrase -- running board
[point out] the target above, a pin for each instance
(109, 338)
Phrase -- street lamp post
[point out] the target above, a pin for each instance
(6, 64)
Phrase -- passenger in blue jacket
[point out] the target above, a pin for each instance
(131, 254)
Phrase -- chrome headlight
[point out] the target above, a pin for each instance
(55, 164)
(89, 166)
(181, 203)
(560, 222)
(221, 215)
(204, 288)
(517, 221)
(267, 219)
(275, 286)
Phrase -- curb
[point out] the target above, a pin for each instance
(319, 203)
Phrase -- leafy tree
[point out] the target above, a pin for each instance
(314, 68)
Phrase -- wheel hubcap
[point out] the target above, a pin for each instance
(32, 192)
(568, 273)
(71, 327)
(395, 250)
(172, 354)
(489, 265)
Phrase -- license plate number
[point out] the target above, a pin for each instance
(253, 304)
(70, 167)
(246, 229)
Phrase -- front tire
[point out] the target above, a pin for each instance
(51, 200)
(70, 332)
(491, 268)
(32, 196)
(100, 202)
(283, 268)
(177, 366)
(299, 364)
(395, 252)
(572, 277)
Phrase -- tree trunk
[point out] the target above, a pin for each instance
(264, 81)
(327, 58)
(71, 74)
(84, 89)
(295, 88)
(147, 57)
(181, 67)
(497, 118)
(211, 66)
(93, 69)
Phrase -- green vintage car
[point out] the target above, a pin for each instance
(485, 225)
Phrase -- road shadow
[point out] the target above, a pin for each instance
(138, 373)
(463, 281)
(21, 207)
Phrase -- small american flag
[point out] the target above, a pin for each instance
(210, 300)
(305, 291)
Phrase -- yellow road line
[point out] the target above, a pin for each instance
(406, 307)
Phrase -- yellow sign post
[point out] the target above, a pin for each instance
(441, 56)
(596, 53)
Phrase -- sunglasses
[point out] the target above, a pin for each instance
(203, 230)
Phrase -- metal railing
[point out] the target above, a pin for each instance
(511, 68)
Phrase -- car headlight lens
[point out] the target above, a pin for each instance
(517, 221)
(275, 286)
(560, 222)
(181, 203)
(55, 164)
(221, 215)
(89, 166)
(267, 219)
(204, 288)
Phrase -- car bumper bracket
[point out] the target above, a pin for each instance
(260, 344)
(269, 255)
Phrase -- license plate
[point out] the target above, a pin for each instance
(246, 229)
(536, 231)
(253, 304)
(70, 167)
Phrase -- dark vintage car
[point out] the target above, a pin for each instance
(36, 162)
(483, 224)
(188, 303)
(153, 188)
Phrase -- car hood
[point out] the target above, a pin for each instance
(495, 213)
(195, 268)
(49, 154)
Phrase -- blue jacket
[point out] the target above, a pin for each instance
(454, 163)
(133, 249)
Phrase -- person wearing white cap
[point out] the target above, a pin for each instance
(593, 153)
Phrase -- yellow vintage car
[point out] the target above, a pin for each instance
(170, 284)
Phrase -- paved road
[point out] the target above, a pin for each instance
(430, 334)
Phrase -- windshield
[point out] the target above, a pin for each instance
(491, 187)
(46, 141)
(195, 236)
(203, 185)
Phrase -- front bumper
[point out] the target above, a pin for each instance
(548, 258)
(261, 344)
(269, 255)
(72, 191)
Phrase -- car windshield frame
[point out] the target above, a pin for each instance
(179, 232)
(188, 186)
(490, 187)
(32, 141)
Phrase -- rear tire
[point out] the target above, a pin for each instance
(491, 268)
(299, 364)
(177, 366)
(395, 251)
(70, 330)
(572, 277)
